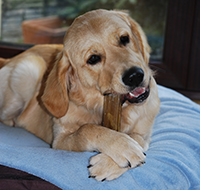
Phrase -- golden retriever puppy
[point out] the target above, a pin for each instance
(56, 92)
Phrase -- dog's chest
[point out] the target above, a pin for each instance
(81, 115)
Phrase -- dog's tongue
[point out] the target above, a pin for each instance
(137, 92)
(138, 95)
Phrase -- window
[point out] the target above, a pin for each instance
(172, 27)
(150, 14)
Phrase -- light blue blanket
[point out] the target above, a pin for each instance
(173, 159)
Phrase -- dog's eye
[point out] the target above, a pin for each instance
(124, 40)
(94, 59)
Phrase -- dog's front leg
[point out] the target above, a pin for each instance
(143, 140)
(118, 149)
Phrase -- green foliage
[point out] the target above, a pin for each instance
(149, 13)
(76, 7)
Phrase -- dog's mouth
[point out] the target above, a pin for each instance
(138, 95)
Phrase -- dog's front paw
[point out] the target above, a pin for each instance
(102, 167)
(125, 151)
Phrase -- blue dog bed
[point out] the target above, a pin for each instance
(173, 159)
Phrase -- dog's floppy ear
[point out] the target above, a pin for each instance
(139, 34)
(55, 93)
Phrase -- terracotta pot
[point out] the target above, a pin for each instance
(47, 30)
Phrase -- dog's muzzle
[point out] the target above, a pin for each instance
(133, 78)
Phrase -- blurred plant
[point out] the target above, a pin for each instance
(151, 15)
(76, 7)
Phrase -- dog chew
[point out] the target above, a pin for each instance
(112, 111)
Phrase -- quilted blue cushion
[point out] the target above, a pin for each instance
(173, 159)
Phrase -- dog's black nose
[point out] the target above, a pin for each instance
(133, 76)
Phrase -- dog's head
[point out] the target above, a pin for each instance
(104, 52)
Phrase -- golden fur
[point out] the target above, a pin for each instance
(51, 91)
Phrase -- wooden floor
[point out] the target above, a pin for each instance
(197, 101)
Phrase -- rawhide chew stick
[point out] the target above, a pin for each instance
(112, 111)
